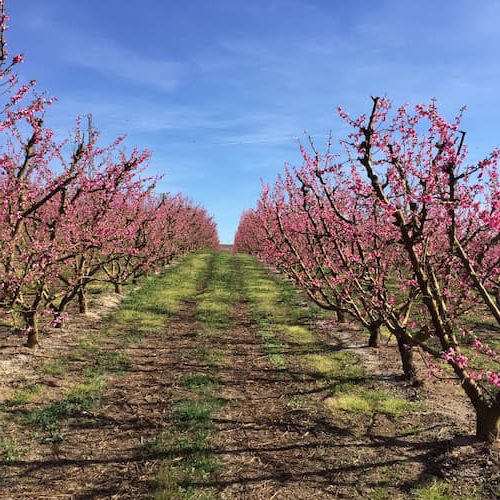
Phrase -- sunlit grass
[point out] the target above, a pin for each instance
(215, 304)
(321, 364)
(349, 402)
(56, 367)
(184, 447)
(434, 490)
(9, 450)
(298, 334)
(370, 401)
(337, 366)
(46, 421)
(25, 395)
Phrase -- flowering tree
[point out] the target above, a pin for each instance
(75, 212)
(415, 168)
(27, 186)
(323, 237)
(409, 233)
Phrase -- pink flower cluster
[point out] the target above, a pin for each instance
(454, 356)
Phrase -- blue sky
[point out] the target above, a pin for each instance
(221, 90)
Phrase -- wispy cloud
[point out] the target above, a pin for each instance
(107, 57)
(147, 115)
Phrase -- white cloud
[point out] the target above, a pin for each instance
(107, 57)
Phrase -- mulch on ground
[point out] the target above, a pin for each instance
(275, 438)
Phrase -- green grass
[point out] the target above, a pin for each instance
(197, 380)
(370, 401)
(380, 494)
(25, 395)
(215, 303)
(92, 341)
(349, 402)
(9, 451)
(195, 414)
(434, 490)
(184, 446)
(142, 312)
(297, 334)
(185, 449)
(107, 361)
(274, 306)
(146, 310)
(81, 398)
(275, 356)
(211, 357)
(57, 367)
(341, 369)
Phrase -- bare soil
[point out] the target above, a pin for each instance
(102, 453)
(275, 438)
(273, 449)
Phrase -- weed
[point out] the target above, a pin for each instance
(434, 490)
(368, 401)
(191, 413)
(9, 452)
(91, 341)
(209, 356)
(197, 380)
(81, 398)
(379, 494)
(25, 395)
(57, 367)
(171, 482)
(277, 360)
(298, 334)
(111, 361)
(185, 449)
(297, 403)
(349, 402)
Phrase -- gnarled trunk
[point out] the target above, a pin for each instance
(487, 411)
(340, 312)
(488, 424)
(374, 330)
(407, 361)
(62, 307)
(82, 300)
(340, 316)
(31, 320)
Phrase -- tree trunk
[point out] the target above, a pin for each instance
(340, 313)
(406, 354)
(118, 288)
(31, 320)
(374, 330)
(340, 316)
(82, 300)
(488, 423)
(62, 306)
(487, 412)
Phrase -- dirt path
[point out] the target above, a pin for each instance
(268, 449)
(102, 453)
(276, 437)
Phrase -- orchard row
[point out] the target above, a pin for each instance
(75, 212)
(392, 228)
